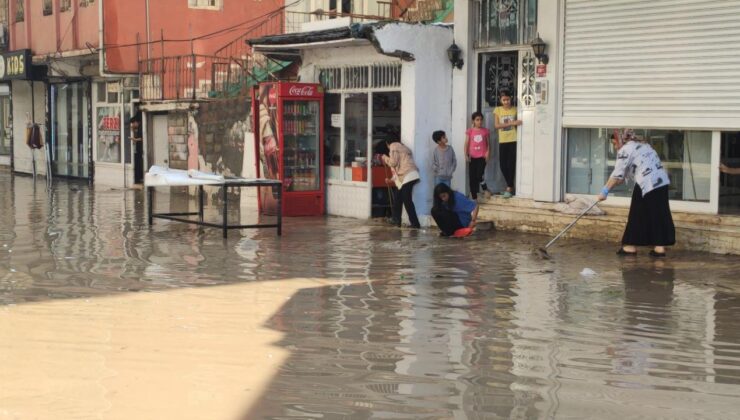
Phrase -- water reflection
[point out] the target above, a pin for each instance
(407, 325)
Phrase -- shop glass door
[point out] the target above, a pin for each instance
(5, 129)
(355, 135)
(69, 145)
(301, 145)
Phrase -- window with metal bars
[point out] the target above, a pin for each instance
(374, 76)
(65, 5)
(504, 22)
(85, 3)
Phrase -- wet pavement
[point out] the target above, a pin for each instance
(102, 316)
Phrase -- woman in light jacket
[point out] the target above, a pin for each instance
(650, 222)
(405, 176)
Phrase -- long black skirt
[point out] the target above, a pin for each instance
(650, 222)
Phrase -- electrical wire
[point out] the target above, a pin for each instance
(222, 31)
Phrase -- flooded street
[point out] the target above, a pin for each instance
(103, 317)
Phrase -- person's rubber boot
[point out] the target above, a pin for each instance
(508, 194)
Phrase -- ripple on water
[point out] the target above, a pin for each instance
(406, 324)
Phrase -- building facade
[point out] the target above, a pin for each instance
(658, 67)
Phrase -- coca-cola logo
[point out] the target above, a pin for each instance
(301, 91)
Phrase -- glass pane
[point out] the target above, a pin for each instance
(333, 136)
(729, 183)
(108, 124)
(69, 137)
(685, 156)
(507, 22)
(355, 135)
(301, 145)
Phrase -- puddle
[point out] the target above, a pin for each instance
(102, 316)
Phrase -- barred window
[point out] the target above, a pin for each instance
(48, 8)
(65, 5)
(19, 11)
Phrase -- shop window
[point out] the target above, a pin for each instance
(47, 7)
(333, 135)
(69, 140)
(686, 156)
(729, 181)
(204, 4)
(19, 11)
(355, 132)
(502, 22)
(5, 129)
(108, 124)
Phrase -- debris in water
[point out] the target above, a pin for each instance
(587, 272)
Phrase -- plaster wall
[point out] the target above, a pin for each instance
(22, 158)
(426, 96)
(539, 166)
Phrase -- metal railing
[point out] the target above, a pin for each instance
(189, 77)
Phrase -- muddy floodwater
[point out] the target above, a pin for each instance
(103, 317)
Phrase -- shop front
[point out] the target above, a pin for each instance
(69, 138)
(673, 84)
(114, 151)
(381, 81)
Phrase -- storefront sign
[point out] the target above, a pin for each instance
(541, 70)
(336, 120)
(302, 90)
(15, 65)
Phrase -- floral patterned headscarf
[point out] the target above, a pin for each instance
(619, 139)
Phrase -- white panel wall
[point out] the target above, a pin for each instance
(22, 158)
(348, 201)
(659, 63)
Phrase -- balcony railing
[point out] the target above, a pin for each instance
(185, 77)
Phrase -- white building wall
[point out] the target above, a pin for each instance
(425, 102)
(540, 139)
(22, 158)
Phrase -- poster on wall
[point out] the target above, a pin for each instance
(108, 123)
(268, 134)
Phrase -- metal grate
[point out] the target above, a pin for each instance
(331, 78)
(374, 76)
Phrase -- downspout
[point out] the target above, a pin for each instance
(101, 45)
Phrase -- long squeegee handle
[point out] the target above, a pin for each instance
(567, 228)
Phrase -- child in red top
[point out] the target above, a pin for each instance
(477, 152)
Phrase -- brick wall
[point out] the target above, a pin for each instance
(222, 126)
(177, 135)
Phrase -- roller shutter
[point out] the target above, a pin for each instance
(652, 63)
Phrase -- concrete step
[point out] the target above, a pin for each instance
(700, 232)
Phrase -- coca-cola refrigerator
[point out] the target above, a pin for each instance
(288, 121)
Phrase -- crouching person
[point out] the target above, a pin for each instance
(454, 213)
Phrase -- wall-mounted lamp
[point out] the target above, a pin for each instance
(538, 46)
(454, 53)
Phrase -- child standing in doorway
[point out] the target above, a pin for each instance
(506, 123)
(477, 153)
(444, 161)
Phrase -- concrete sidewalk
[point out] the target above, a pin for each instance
(695, 232)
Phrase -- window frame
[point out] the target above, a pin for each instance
(194, 4)
(344, 87)
(709, 207)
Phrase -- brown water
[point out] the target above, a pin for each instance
(103, 317)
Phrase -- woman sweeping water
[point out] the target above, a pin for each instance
(649, 222)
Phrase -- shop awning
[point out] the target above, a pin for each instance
(286, 45)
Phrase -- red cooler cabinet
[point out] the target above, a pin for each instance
(288, 121)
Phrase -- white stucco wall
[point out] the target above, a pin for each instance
(22, 158)
(426, 102)
(539, 166)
